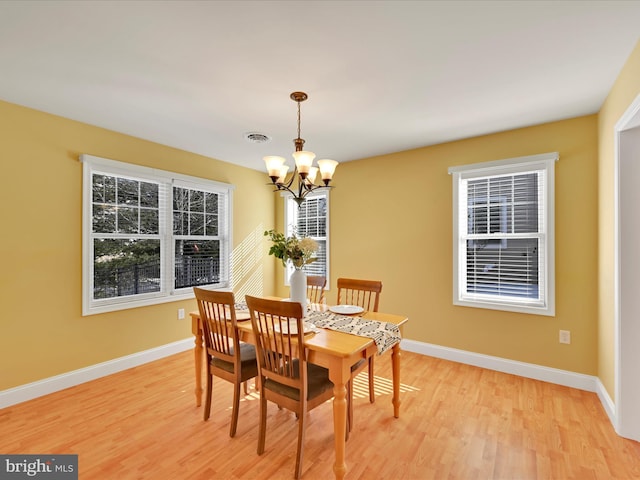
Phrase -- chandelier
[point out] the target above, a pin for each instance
(304, 172)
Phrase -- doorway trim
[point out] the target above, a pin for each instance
(630, 119)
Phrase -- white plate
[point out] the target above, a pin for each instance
(293, 328)
(346, 309)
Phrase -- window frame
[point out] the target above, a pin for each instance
(533, 163)
(290, 214)
(167, 180)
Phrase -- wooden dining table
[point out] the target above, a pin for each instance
(336, 351)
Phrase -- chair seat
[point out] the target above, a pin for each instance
(317, 383)
(249, 365)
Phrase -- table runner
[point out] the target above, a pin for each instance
(242, 306)
(385, 334)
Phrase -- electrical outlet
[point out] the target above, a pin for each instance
(181, 314)
(565, 336)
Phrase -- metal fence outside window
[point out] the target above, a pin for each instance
(137, 279)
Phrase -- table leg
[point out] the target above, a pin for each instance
(395, 361)
(339, 422)
(197, 352)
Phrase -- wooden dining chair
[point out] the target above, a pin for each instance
(365, 294)
(286, 378)
(226, 356)
(315, 288)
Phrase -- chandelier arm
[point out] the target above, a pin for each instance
(293, 177)
(312, 188)
(280, 187)
(301, 188)
(303, 191)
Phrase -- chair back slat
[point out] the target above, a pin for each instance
(364, 293)
(218, 323)
(315, 288)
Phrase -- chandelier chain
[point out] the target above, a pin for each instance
(298, 120)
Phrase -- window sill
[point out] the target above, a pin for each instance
(114, 306)
(548, 310)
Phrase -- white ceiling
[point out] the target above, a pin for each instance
(382, 76)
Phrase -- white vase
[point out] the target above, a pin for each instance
(298, 288)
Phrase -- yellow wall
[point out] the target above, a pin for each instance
(391, 219)
(42, 332)
(623, 93)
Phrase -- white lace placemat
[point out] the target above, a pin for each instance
(385, 334)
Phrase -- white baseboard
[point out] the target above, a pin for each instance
(607, 403)
(60, 382)
(528, 370)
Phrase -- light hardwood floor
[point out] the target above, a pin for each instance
(456, 422)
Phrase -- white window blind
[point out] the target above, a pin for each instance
(503, 234)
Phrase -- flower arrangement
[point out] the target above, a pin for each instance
(298, 250)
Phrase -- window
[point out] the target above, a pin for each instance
(503, 234)
(149, 236)
(311, 219)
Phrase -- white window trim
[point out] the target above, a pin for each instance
(289, 205)
(167, 292)
(543, 161)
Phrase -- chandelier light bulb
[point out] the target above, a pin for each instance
(283, 174)
(304, 160)
(274, 165)
(311, 178)
(327, 169)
